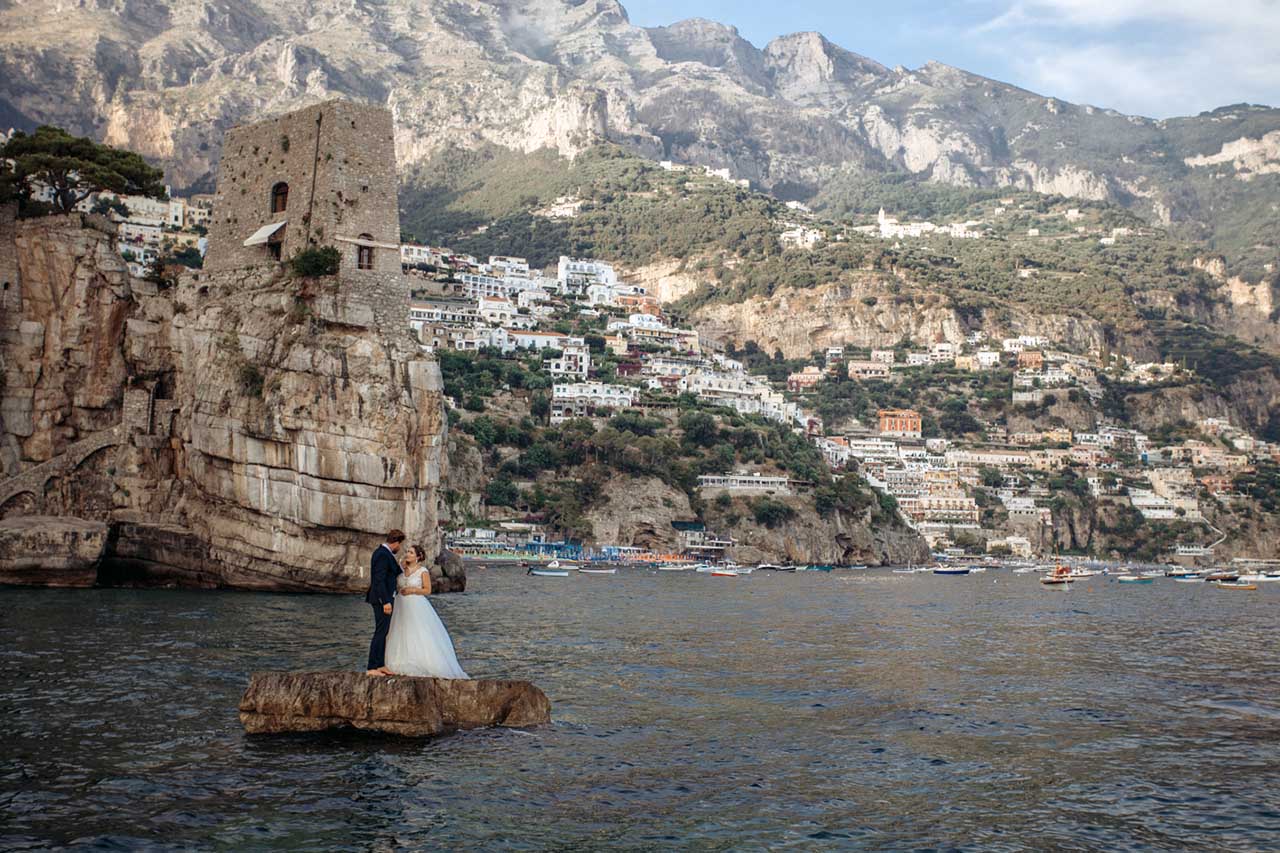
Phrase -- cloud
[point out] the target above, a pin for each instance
(1176, 57)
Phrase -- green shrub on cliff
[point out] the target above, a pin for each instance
(316, 261)
(771, 512)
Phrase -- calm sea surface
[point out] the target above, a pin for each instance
(811, 711)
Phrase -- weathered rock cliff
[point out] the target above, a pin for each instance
(839, 539)
(867, 313)
(241, 429)
(39, 550)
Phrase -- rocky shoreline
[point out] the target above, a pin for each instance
(248, 429)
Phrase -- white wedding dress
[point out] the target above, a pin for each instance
(418, 643)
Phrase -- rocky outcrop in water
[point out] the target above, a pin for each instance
(245, 429)
(51, 552)
(280, 702)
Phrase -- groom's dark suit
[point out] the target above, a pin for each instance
(383, 570)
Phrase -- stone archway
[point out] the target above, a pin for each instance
(21, 503)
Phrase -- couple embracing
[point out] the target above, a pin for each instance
(408, 636)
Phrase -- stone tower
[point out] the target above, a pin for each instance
(324, 175)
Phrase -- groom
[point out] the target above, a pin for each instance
(383, 569)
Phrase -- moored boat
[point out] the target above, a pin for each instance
(1135, 579)
(597, 571)
(724, 573)
(951, 570)
(549, 573)
(1060, 575)
(1234, 585)
(1184, 573)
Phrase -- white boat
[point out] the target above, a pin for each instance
(597, 571)
(724, 573)
(567, 565)
(1188, 580)
(549, 573)
(1260, 577)
(676, 567)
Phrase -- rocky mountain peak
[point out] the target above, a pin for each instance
(166, 77)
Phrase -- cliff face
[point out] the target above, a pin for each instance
(62, 324)
(255, 430)
(868, 314)
(839, 539)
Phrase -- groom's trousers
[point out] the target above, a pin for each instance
(378, 646)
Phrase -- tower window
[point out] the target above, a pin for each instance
(364, 254)
(279, 197)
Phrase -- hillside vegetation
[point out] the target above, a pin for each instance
(633, 212)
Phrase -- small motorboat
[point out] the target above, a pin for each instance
(951, 570)
(724, 573)
(774, 567)
(816, 567)
(1189, 579)
(597, 571)
(1061, 575)
(1135, 579)
(1234, 585)
(1224, 575)
(1183, 573)
(549, 573)
(675, 567)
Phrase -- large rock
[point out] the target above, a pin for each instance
(38, 550)
(284, 480)
(278, 702)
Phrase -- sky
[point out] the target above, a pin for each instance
(1156, 58)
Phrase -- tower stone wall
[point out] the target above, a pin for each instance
(338, 162)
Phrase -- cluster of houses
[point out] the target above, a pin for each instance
(146, 228)
(503, 304)
(889, 228)
(720, 174)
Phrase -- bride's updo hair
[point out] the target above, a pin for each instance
(419, 553)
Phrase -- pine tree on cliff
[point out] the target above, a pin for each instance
(75, 167)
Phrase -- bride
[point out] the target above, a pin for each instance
(418, 643)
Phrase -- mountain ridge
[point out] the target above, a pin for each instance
(168, 78)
